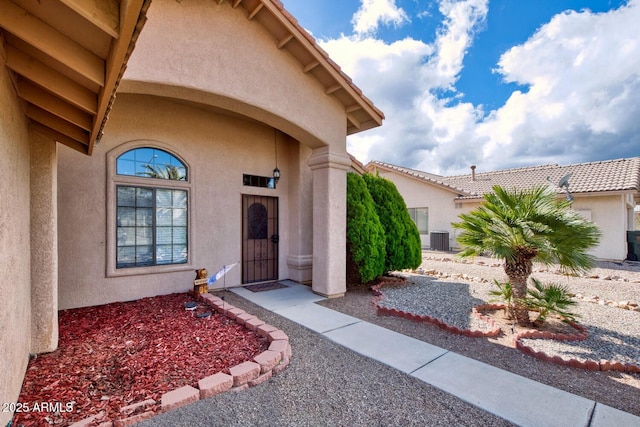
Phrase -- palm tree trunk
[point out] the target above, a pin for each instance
(518, 271)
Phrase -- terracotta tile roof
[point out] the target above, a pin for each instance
(424, 176)
(356, 166)
(593, 177)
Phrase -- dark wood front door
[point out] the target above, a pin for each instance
(259, 238)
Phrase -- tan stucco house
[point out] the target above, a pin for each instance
(605, 192)
(102, 102)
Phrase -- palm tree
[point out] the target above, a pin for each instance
(521, 226)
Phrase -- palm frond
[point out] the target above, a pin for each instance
(528, 219)
(552, 298)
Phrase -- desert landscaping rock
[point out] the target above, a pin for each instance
(616, 389)
(612, 335)
(362, 392)
(326, 384)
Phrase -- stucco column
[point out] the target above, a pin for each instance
(329, 221)
(300, 257)
(44, 245)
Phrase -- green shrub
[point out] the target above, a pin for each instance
(503, 294)
(404, 249)
(552, 298)
(365, 235)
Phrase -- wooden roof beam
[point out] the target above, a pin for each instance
(331, 89)
(51, 80)
(352, 108)
(355, 122)
(2, 45)
(57, 136)
(56, 123)
(255, 11)
(130, 19)
(45, 100)
(53, 43)
(236, 3)
(104, 14)
(282, 43)
(320, 56)
(311, 66)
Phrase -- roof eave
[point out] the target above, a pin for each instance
(132, 19)
(459, 192)
(360, 112)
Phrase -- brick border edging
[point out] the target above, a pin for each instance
(588, 364)
(247, 374)
(583, 334)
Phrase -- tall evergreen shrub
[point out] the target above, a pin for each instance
(404, 249)
(365, 235)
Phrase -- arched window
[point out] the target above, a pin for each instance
(151, 209)
(151, 163)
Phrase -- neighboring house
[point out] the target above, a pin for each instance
(224, 93)
(605, 192)
(357, 166)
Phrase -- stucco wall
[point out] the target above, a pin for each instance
(217, 148)
(211, 53)
(300, 257)
(15, 315)
(44, 244)
(608, 212)
(442, 210)
(230, 86)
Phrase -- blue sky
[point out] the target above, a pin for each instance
(496, 83)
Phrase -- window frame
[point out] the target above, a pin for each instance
(154, 207)
(414, 217)
(114, 180)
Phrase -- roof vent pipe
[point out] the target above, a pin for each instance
(473, 172)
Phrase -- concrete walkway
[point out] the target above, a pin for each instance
(482, 385)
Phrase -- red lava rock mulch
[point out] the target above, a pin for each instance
(114, 355)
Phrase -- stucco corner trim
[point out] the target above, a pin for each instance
(324, 158)
(300, 262)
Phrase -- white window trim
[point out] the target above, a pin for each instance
(427, 209)
(113, 180)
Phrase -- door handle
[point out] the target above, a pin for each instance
(275, 238)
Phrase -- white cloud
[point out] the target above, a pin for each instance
(373, 12)
(402, 78)
(394, 77)
(582, 71)
(461, 21)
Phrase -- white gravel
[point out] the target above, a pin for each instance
(614, 335)
(448, 301)
(447, 288)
